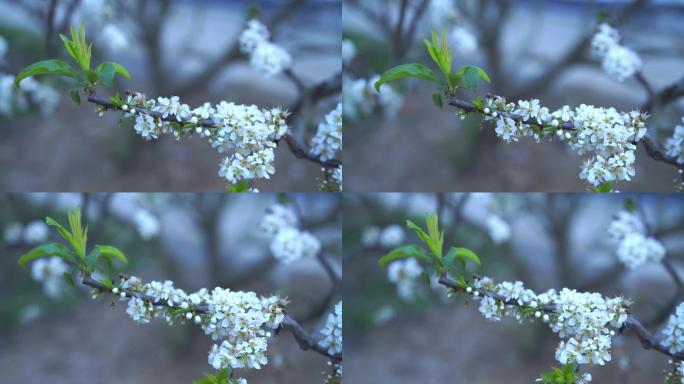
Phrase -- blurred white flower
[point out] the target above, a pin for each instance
(147, 224)
(499, 230)
(348, 51)
(114, 38)
(463, 40)
(49, 271)
(291, 244)
(278, 216)
(13, 233)
(30, 313)
(405, 273)
(3, 48)
(391, 236)
(35, 232)
(370, 236)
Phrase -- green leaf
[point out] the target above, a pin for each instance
(62, 231)
(436, 236)
(404, 252)
(68, 278)
(604, 187)
(75, 95)
(46, 67)
(566, 375)
(49, 249)
(241, 186)
(78, 47)
(92, 76)
(454, 80)
(440, 53)
(414, 70)
(462, 254)
(471, 74)
(108, 70)
(108, 250)
(477, 103)
(437, 99)
(79, 234)
(116, 99)
(419, 231)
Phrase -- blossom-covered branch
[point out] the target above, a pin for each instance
(303, 338)
(647, 339)
(297, 149)
(652, 148)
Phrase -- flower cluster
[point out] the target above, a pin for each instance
(674, 331)
(608, 136)
(102, 16)
(32, 233)
(288, 243)
(328, 138)
(360, 99)
(264, 55)
(498, 229)
(618, 61)
(332, 331)
(674, 146)
(405, 274)
(241, 321)
(49, 271)
(249, 132)
(635, 247)
(390, 236)
(348, 51)
(15, 101)
(585, 322)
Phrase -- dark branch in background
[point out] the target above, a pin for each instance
(648, 341)
(652, 148)
(303, 338)
(296, 148)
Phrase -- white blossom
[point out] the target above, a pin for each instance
(391, 236)
(606, 135)
(348, 51)
(499, 230)
(138, 310)
(291, 244)
(113, 37)
(360, 99)
(674, 146)
(635, 247)
(35, 232)
(49, 272)
(248, 132)
(463, 40)
(264, 56)
(146, 223)
(13, 233)
(618, 61)
(405, 273)
(585, 322)
(328, 138)
(278, 216)
(370, 236)
(674, 331)
(332, 331)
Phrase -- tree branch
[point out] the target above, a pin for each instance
(303, 338)
(295, 147)
(652, 148)
(646, 338)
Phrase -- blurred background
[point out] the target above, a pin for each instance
(544, 240)
(184, 48)
(195, 240)
(531, 49)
